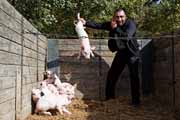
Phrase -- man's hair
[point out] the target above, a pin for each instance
(120, 9)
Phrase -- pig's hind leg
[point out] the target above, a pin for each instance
(42, 112)
(60, 110)
(92, 48)
(92, 54)
(80, 52)
(46, 113)
(66, 111)
(79, 55)
(63, 109)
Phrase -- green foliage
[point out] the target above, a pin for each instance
(57, 16)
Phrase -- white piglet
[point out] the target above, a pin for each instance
(67, 89)
(85, 48)
(48, 101)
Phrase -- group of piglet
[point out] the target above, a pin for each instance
(53, 95)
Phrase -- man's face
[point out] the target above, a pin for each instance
(120, 17)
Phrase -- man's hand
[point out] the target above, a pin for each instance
(83, 21)
(113, 23)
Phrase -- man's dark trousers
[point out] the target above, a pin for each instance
(123, 58)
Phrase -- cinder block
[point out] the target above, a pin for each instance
(42, 50)
(10, 34)
(9, 58)
(7, 94)
(8, 116)
(30, 52)
(42, 43)
(31, 45)
(27, 61)
(8, 82)
(8, 107)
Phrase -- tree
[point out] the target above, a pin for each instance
(57, 16)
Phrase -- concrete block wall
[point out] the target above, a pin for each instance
(22, 62)
(162, 70)
(165, 91)
(89, 74)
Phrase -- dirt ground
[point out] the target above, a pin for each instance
(117, 109)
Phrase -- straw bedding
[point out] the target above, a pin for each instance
(117, 109)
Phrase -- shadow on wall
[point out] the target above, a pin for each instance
(90, 75)
(53, 56)
(53, 63)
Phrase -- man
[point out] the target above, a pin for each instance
(121, 33)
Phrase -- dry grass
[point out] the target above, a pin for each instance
(117, 109)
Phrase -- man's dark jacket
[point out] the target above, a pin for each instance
(121, 37)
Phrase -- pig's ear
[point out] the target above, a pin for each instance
(33, 90)
(56, 76)
(75, 86)
(45, 73)
(78, 15)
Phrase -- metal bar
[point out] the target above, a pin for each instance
(19, 80)
(22, 54)
(45, 67)
(104, 37)
(100, 72)
(37, 47)
(173, 55)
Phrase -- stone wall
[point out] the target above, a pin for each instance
(22, 61)
(165, 89)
